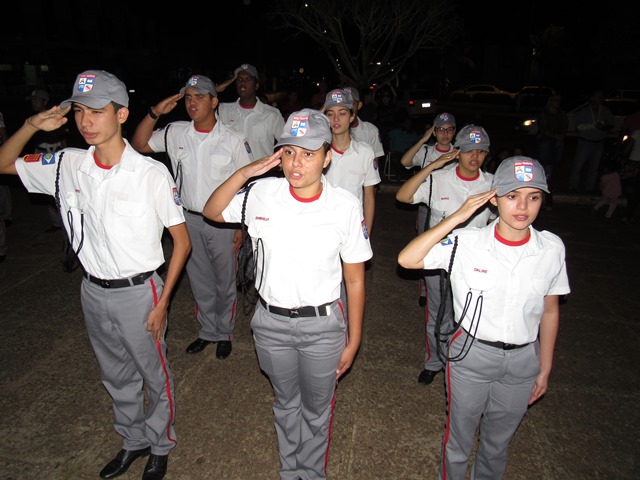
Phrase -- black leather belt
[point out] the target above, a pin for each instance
(193, 212)
(120, 282)
(321, 310)
(500, 345)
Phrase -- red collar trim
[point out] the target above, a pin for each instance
(509, 242)
(100, 164)
(466, 179)
(304, 200)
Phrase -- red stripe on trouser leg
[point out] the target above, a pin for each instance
(163, 362)
(333, 406)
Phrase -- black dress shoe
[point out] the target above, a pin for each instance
(223, 350)
(156, 467)
(122, 462)
(198, 345)
(427, 376)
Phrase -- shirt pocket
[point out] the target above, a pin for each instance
(479, 280)
(128, 208)
(129, 218)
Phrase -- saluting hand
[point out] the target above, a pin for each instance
(261, 166)
(49, 120)
(447, 157)
(471, 204)
(165, 106)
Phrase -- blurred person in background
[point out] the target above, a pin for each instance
(260, 123)
(594, 121)
(552, 128)
(369, 110)
(363, 131)
(401, 138)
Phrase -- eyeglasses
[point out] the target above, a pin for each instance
(445, 130)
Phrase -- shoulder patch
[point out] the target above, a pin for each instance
(42, 158)
(176, 196)
(365, 231)
(446, 241)
(49, 158)
(32, 158)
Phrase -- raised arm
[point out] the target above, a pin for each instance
(47, 120)
(410, 187)
(140, 139)
(222, 196)
(412, 256)
(407, 158)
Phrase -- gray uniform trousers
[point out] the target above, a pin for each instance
(129, 358)
(300, 356)
(212, 274)
(489, 387)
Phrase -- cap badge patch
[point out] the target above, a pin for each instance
(475, 137)
(523, 171)
(337, 98)
(85, 83)
(299, 126)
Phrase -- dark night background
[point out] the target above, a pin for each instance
(154, 49)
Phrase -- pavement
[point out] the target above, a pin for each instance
(56, 421)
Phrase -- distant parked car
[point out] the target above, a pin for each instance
(620, 107)
(624, 93)
(419, 102)
(532, 98)
(483, 93)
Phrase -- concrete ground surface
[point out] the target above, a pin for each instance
(56, 421)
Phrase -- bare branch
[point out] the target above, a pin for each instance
(369, 41)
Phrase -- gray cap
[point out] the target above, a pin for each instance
(519, 172)
(96, 89)
(306, 128)
(444, 119)
(339, 98)
(354, 93)
(39, 93)
(201, 84)
(472, 137)
(250, 69)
